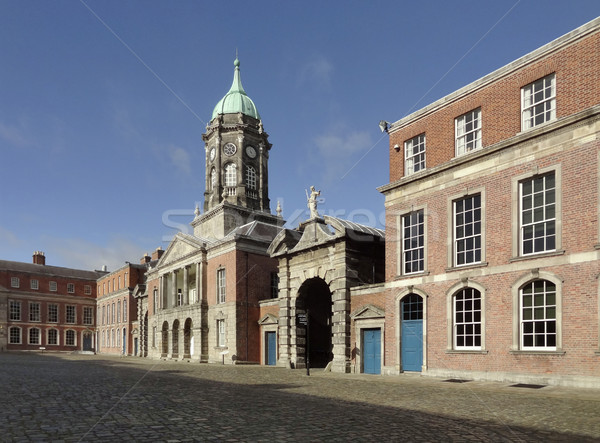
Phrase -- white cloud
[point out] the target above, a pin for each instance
(318, 71)
(14, 135)
(180, 159)
(338, 152)
(82, 254)
(8, 238)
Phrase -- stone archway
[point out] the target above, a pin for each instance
(175, 344)
(165, 340)
(188, 337)
(314, 298)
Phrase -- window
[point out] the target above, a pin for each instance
(88, 315)
(230, 174)
(414, 154)
(34, 284)
(15, 310)
(112, 314)
(52, 337)
(179, 297)
(274, 285)
(119, 283)
(467, 129)
(103, 288)
(154, 336)
(87, 290)
(34, 312)
(213, 179)
(538, 315)
(53, 286)
(220, 333)
(103, 315)
(15, 282)
(538, 102)
(14, 336)
(250, 178)
(53, 313)
(221, 286)
(70, 288)
(70, 338)
(118, 311)
(412, 307)
(70, 317)
(467, 319)
(538, 214)
(467, 230)
(413, 242)
(124, 310)
(155, 297)
(34, 336)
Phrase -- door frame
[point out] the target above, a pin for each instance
(398, 328)
(366, 317)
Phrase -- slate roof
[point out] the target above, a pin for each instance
(58, 271)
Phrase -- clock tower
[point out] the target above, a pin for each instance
(237, 157)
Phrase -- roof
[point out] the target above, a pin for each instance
(257, 230)
(56, 271)
(236, 100)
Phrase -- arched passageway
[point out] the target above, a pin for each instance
(187, 338)
(165, 339)
(175, 346)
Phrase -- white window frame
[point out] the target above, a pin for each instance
(528, 310)
(70, 312)
(467, 319)
(250, 178)
(221, 341)
(230, 175)
(49, 333)
(467, 132)
(468, 225)
(53, 286)
(528, 210)
(38, 339)
(10, 335)
(414, 154)
(34, 284)
(88, 315)
(14, 310)
(538, 102)
(67, 340)
(408, 247)
(71, 288)
(124, 310)
(35, 313)
(52, 313)
(87, 290)
(15, 282)
(221, 286)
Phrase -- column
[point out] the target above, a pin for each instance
(186, 292)
(198, 282)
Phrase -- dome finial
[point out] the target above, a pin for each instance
(236, 63)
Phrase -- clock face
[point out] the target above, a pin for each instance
(212, 154)
(250, 151)
(229, 149)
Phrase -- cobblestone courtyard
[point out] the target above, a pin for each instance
(49, 397)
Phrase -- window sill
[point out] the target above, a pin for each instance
(524, 352)
(416, 274)
(597, 353)
(540, 255)
(466, 351)
(470, 266)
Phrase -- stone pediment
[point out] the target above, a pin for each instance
(268, 319)
(368, 312)
(181, 246)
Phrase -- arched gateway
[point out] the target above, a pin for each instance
(318, 264)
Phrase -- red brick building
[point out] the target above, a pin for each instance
(492, 227)
(117, 309)
(48, 307)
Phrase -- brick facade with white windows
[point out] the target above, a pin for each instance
(522, 302)
(45, 307)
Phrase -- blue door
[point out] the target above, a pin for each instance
(372, 351)
(271, 348)
(412, 332)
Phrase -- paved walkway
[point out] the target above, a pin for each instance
(48, 397)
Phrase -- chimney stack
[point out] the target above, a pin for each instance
(157, 254)
(39, 258)
(145, 259)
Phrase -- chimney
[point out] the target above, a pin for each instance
(157, 254)
(39, 258)
(145, 259)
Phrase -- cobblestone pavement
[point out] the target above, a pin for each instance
(48, 397)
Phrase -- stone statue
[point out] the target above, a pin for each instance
(312, 202)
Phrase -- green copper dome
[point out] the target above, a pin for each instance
(236, 99)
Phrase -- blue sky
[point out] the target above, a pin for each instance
(103, 104)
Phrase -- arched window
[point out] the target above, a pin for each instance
(230, 174)
(467, 319)
(250, 178)
(213, 179)
(538, 309)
